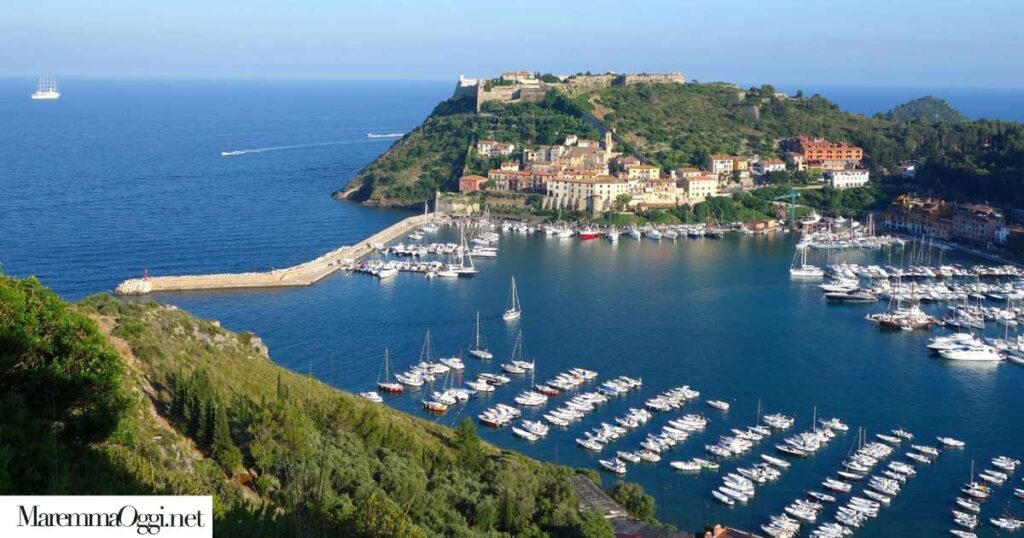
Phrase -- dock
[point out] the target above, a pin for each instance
(304, 274)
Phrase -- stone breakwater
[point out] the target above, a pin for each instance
(304, 274)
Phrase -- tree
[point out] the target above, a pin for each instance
(594, 525)
(622, 201)
(634, 499)
(467, 443)
(379, 517)
(221, 445)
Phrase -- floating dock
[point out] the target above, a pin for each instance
(304, 274)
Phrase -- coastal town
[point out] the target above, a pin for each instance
(597, 176)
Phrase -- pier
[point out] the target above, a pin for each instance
(304, 274)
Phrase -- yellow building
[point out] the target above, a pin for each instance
(642, 172)
(699, 188)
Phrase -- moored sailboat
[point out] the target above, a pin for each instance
(513, 312)
(387, 385)
(479, 350)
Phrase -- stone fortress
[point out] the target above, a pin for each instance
(526, 87)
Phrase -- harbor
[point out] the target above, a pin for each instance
(680, 432)
(628, 426)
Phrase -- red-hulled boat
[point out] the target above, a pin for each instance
(590, 233)
(387, 385)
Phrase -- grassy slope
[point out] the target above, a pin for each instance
(322, 436)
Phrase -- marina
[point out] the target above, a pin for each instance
(591, 434)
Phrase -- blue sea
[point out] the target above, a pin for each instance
(121, 177)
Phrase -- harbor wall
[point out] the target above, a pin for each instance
(304, 274)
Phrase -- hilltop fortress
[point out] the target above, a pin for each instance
(524, 86)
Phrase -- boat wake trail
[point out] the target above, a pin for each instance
(281, 148)
(387, 135)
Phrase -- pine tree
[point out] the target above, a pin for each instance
(221, 444)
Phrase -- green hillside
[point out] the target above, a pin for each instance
(681, 124)
(433, 156)
(115, 397)
(927, 108)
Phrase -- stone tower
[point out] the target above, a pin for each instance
(608, 145)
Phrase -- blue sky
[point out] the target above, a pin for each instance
(869, 42)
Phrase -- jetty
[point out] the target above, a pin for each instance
(304, 274)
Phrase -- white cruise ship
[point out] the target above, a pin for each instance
(46, 89)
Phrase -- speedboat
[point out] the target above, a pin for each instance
(775, 461)
(718, 404)
(614, 465)
(951, 442)
(723, 498)
(631, 457)
(823, 497)
(372, 396)
(689, 465)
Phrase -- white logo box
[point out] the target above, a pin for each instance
(63, 516)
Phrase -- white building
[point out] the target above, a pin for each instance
(585, 194)
(765, 166)
(720, 164)
(847, 179)
(493, 148)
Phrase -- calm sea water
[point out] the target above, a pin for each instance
(118, 177)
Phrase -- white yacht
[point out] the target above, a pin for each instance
(46, 90)
(613, 235)
(954, 341)
(981, 353)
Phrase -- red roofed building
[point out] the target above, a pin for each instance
(819, 150)
(471, 183)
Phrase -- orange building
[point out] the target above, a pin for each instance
(471, 183)
(819, 149)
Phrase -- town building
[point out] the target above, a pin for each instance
(680, 173)
(593, 194)
(720, 164)
(696, 189)
(509, 166)
(819, 149)
(846, 179)
(654, 193)
(493, 148)
(976, 224)
(471, 183)
(761, 167)
(919, 216)
(520, 77)
(520, 180)
(642, 171)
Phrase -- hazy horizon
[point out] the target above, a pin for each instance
(899, 43)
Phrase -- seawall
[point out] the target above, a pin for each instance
(304, 274)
